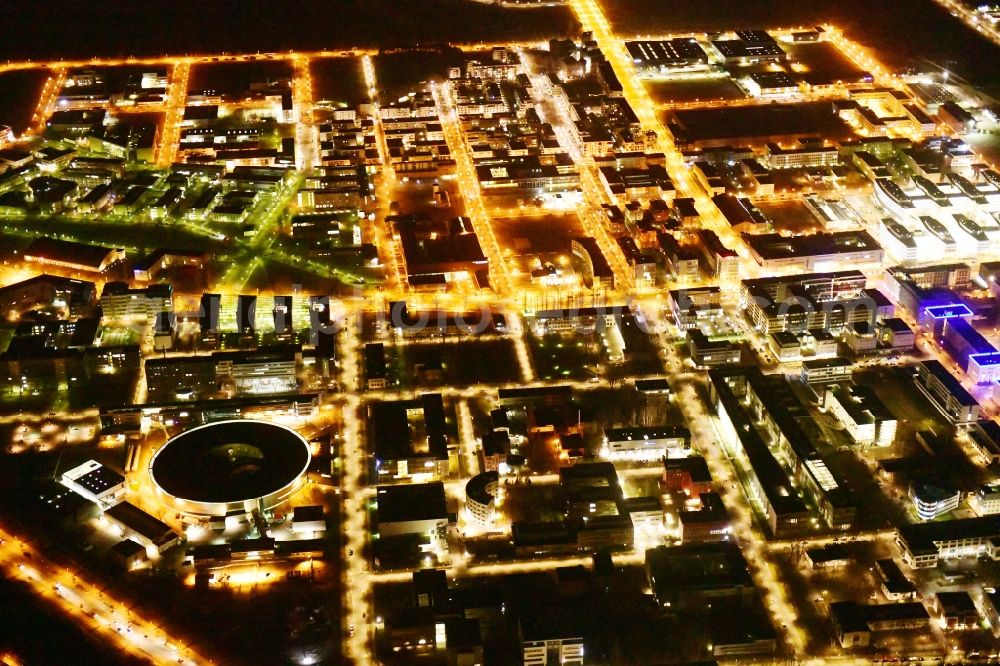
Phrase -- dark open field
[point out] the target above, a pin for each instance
(338, 80)
(19, 92)
(69, 28)
(235, 78)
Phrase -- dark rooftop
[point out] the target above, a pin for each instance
(420, 501)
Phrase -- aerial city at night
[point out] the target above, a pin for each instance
(500, 332)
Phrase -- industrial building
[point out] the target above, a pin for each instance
(816, 253)
(409, 438)
(72, 256)
(927, 544)
(666, 55)
(94, 481)
(418, 509)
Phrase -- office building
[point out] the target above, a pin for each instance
(927, 544)
(647, 443)
(760, 416)
(855, 623)
(946, 393)
(689, 475)
(419, 509)
(985, 439)
(709, 523)
(812, 301)
(894, 584)
(933, 497)
(693, 575)
(867, 420)
(409, 438)
(696, 306)
(480, 498)
(707, 353)
(986, 500)
(723, 262)
(120, 302)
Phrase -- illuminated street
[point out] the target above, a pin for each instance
(111, 618)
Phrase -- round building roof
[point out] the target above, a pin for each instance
(478, 487)
(230, 461)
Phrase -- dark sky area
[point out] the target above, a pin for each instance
(116, 27)
(909, 30)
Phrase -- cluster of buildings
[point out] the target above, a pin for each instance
(99, 491)
(414, 137)
(62, 180)
(761, 417)
(92, 88)
(209, 136)
(348, 139)
(812, 301)
(582, 81)
(515, 154)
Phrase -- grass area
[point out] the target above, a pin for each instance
(97, 232)
(532, 242)
(416, 197)
(308, 25)
(467, 363)
(557, 356)
(118, 336)
(402, 72)
(90, 389)
(537, 235)
(986, 145)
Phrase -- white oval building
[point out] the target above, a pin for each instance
(227, 466)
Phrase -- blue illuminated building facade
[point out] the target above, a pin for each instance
(954, 331)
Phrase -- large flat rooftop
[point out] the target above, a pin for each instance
(757, 123)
